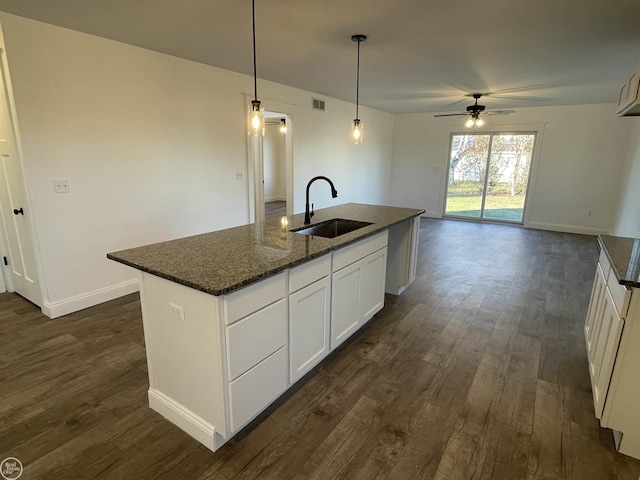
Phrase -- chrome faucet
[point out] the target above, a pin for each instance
(308, 214)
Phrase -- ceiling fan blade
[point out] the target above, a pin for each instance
(452, 115)
(500, 112)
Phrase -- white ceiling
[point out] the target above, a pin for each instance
(420, 55)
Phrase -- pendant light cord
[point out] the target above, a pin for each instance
(255, 75)
(358, 81)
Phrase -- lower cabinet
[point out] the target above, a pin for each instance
(595, 309)
(612, 333)
(345, 316)
(357, 288)
(309, 313)
(603, 356)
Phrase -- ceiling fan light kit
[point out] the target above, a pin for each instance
(474, 113)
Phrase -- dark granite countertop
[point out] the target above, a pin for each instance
(223, 261)
(624, 255)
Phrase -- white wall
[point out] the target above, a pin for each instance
(151, 145)
(628, 224)
(274, 164)
(579, 166)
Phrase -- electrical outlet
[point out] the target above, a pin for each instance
(176, 311)
(239, 175)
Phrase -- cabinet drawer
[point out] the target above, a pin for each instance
(256, 389)
(309, 272)
(254, 297)
(348, 255)
(604, 263)
(255, 337)
(619, 293)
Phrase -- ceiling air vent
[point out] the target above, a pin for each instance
(318, 104)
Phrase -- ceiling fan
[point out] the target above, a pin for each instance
(474, 111)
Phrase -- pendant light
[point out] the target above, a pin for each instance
(356, 129)
(283, 125)
(256, 111)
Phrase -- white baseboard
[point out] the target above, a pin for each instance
(559, 227)
(431, 214)
(277, 198)
(185, 419)
(89, 299)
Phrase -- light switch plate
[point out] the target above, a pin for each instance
(61, 185)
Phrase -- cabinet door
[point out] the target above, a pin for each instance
(345, 305)
(309, 313)
(604, 352)
(595, 310)
(372, 284)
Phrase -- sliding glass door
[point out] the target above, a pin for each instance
(488, 176)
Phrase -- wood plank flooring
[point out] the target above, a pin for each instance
(478, 371)
(275, 209)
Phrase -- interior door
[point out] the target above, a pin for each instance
(23, 277)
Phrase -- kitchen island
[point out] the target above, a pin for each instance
(233, 318)
(612, 332)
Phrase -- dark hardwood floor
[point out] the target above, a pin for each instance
(478, 371)
(275, 209)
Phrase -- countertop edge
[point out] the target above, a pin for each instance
(621, 281)
(268, 273)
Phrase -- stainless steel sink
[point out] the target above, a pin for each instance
(332, 228)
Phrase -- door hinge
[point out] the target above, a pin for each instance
(6, 262)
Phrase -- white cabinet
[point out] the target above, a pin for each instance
(612, 332)
(344, 303)
(358, 285)
(629, 98)
(371, 298)
(598, 295)
(309, 314)
(608, 327)
(603, 329)
(256, 347)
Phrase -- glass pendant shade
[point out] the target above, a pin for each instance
(256, 119)
(356, 131)
(479, 122)
(469, 123)
(283, 126)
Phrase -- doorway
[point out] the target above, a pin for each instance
(488, 176)
(274, 165)
(256, 149)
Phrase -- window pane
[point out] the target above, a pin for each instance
(508, 177)
(467, 169)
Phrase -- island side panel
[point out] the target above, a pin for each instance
(185, 357)
(402, 253)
